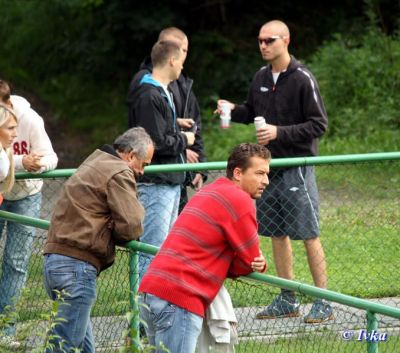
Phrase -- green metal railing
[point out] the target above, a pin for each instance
(278, 162)
(371, 308)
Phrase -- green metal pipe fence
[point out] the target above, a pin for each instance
(343, 195)
(278, 162)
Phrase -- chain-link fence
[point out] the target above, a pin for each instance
(359, 218)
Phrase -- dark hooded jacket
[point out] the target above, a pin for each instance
(186, 106)
(150, 108)
(185, 101)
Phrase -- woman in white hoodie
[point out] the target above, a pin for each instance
(33, 153)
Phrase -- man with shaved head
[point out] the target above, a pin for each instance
(286, 94)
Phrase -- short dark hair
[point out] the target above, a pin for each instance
(241, 154)
(5, 91)
(163, 50)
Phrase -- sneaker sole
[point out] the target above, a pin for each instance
(268, 317)
(318, 321)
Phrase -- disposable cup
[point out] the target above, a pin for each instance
(259, 122)
(225, 122)
(225, 109)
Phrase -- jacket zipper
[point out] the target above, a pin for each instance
(187, 97)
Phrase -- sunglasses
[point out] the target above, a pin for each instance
(269, 40)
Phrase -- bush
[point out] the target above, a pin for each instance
(359, 80)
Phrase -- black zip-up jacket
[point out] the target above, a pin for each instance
(293, 104)
(149, 108)
(186, 106)
(185, 101)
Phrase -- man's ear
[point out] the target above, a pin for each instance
(286, 40)
(237, 174)
(131, 155)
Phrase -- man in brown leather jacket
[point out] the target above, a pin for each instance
(98, 209)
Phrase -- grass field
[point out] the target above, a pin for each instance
(360, 213)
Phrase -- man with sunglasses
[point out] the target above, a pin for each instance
(286, 94)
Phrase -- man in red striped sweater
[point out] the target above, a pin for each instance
(214, 237)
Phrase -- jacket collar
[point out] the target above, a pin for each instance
(110, 150)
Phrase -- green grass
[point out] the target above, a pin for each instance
(359, 232)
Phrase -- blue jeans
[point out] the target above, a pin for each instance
(78, 281)
(17, 251)
(169, 325)
(161, 203)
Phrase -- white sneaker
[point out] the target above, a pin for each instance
(9, 342)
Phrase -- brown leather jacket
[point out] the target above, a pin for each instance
(97, 209)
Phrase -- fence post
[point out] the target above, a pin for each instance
(133, 300)
(372, 326)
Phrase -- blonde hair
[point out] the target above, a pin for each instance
(162, 51)
(171, 33)
(6, 114)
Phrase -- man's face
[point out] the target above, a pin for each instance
(137, 164)
(254, 179)
(271, 43)
(177, 65)
(184, 45)
(184, 49)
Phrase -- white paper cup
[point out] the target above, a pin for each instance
(259, 122)
(225, 116)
